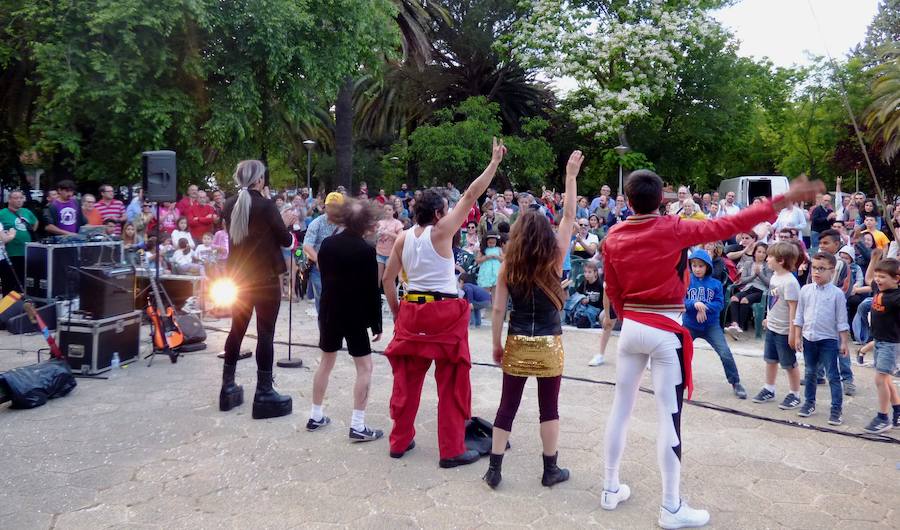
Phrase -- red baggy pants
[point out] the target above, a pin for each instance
(436, 331)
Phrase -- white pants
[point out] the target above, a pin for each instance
(637, 343)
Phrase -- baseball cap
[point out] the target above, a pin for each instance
(334, 198)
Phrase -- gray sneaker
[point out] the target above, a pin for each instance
(849, 388)
(763, 396)
(739, 391)
(791, 401)
(807, 410)
(365, 435)
(835, 418)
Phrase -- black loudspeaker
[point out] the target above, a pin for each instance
(18, 324)
(106, 291)
(160, 177)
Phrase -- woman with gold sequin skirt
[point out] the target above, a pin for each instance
(530, 276)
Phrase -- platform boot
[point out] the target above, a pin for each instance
(267, 403)
(232, 394)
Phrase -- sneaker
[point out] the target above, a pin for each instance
(763, 396)
(684, 517)
(610, 499)
(739, 391)
(896, 422)
(365, 435)
(860, 359)
(807, 410)
(835, 418)
(734, 332)
(791, 401)
(596, 360)
(313, 425)
(821, 381)
(849, 388)
(877, 425)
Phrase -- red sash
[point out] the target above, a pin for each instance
(655, 320)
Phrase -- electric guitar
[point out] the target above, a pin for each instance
(36, 319)
(166, 333)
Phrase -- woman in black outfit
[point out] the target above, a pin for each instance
(257, 235)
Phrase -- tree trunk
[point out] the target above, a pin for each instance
(343, 135)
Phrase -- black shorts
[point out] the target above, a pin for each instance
(332, 338)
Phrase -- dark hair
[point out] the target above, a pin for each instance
(65, 185)
(831, 233)
(824, 256)
(889, 266)
(503, 227)
(468, 278)
(356, 217)
(873, 215)
(644, 188)
(432, 201)
(532, 260)
(874, 207)
(753, 235)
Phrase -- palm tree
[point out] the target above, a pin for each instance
(883, 115)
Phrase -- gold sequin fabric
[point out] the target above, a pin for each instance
(540, 356)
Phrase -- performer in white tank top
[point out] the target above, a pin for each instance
(432, 323)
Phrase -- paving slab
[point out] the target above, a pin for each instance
(149, 449)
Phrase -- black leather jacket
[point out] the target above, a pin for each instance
(258, 258)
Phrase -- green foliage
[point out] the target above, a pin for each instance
(455, 147)
(211, 80)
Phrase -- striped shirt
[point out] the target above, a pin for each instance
(113, 209)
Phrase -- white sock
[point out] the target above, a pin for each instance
(316, 413)
(358, 420)
(770, 388)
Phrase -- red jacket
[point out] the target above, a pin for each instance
(200, 218)
(645, 257)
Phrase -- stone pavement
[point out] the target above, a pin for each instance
(149, 449)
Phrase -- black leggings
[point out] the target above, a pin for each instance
(513, 386)
(740, 313)
(266, 299)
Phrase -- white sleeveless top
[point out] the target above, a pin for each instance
(426, 270)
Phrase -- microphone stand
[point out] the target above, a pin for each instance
(290, 362)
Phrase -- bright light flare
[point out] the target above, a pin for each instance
(223, 292)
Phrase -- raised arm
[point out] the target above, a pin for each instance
(564, 232)
(448, 225)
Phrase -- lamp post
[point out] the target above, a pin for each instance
(621, 150)
(309, 144)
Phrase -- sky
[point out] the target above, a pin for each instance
(785, 30)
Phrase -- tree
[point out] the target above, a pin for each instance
(452, 148)
(883, 114)
(623, 55)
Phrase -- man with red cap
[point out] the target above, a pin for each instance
(431, 323)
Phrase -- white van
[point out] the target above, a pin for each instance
(748, 188)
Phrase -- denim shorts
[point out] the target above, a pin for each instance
(886, 356)
(381, 259)
(777, 350)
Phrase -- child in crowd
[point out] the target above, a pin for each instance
(182, 232)
(205, 253)
(478, 297)
(220, 245)
(183, 260)
(753, 282)
(488, 259)
(886, 333)
(784, 292)
(583, 309)
(822, 332)
(703, 303)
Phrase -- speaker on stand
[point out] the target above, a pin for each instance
(160, 176)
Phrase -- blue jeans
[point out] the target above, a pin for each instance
(315, 283)
(813, 241)
(824, 352)
(716, 338)
(861, 321)
(843, 366)
(475, 318)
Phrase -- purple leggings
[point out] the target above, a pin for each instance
(511, 396)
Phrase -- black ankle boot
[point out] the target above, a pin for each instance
(492, 477)
(553, 474)
(267, 403)
(232, 394)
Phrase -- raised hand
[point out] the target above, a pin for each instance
(498, 150)
(573, 166)
(802, 190)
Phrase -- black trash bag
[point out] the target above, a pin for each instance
(480, 435)
(31, 386)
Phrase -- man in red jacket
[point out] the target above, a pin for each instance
(646, 273)
(201, 217)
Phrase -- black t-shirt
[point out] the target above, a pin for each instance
(593, 292)
(886, 316)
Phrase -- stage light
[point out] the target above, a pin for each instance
(223, 292)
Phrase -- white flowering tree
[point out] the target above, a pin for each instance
(622, 54)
